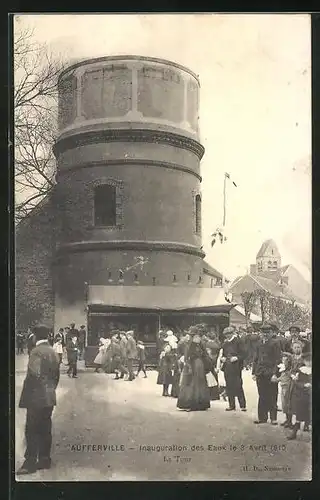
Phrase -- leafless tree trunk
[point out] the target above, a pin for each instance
(36, 74)
(248, 301)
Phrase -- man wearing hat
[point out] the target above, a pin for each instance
(294, 331)
(264, 372)
(231, 363)
(123, 355)
(38, 396)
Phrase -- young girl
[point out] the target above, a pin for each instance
(285, 383)
(300, 400)
(165, 376)
(100, 357)
(141, 358)
(58, 348)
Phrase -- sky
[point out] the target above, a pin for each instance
(255, 115)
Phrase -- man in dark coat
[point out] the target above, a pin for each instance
(72, 354)
(131, 353)
(232, 366)
(20, 342)
(51, 338)
(123, 354)
(265, 372)
(39, 397)
(73, 332)
(82, 340)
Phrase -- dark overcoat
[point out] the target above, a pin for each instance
(166, 369)
(300, 398)
(266, 358)
(39, 387)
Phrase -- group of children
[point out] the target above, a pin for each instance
(119, 353)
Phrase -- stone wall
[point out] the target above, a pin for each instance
(34, 244)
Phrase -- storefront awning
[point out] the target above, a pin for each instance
(157, 297)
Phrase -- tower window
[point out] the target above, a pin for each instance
(198, 214)
(105, 205)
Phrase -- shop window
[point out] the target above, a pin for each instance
(105, 205)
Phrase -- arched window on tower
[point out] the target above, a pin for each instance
(198, 214)
(105, 205)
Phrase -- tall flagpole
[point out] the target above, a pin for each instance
(224, 199)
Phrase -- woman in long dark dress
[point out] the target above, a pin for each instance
(194, 393)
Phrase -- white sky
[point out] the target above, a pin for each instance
(255, 115)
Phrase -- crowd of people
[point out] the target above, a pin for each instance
(201, 367)
(196, 366)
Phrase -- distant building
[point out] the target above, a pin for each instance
(267, 274)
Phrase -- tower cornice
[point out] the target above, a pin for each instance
(120, 135)
(140, 245)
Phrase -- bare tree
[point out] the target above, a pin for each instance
(263, 297)
(248, 300)
(36, 73)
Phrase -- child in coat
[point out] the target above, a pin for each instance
(141, 358)
(166, 368)
(285, 384)
(300, 397)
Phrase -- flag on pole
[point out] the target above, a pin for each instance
(228, 177)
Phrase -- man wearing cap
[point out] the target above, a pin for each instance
(231, 363)
(123, 355)
(264, 372)
(38, 396)
(294, 331)
(131, 353)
